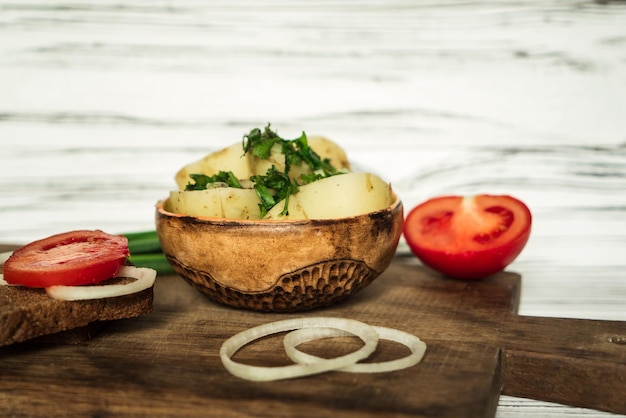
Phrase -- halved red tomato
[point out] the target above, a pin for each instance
(70, 259)
(468, 237)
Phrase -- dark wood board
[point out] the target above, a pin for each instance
(167, 363)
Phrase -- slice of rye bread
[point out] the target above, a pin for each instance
(27, 313)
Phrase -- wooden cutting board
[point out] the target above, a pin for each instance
(167, 363)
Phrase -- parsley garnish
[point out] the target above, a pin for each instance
(274, 185)
(221, 179)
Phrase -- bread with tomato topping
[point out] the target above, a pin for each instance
(27, 313)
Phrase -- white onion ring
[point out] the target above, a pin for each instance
(297, 337)
(260, 373)
(145, 278)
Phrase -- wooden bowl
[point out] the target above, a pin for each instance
(280, 266)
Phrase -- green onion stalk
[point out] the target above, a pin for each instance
(145, 251)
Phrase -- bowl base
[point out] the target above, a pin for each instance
(314, 286)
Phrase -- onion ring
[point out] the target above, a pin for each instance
(297, 337)
(145, 278)
(259, 373)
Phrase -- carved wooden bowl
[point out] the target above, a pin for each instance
(280, 266)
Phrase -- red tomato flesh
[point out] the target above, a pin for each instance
(70, 259)
(468, 237)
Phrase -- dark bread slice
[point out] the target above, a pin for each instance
(27, 313)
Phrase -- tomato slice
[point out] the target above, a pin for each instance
(70, 259)
(468, 237)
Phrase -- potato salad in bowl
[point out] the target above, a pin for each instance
(274, 224)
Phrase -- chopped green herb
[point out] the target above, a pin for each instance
(277, 182)
(275, 185)
(260, 143)
(203, 182)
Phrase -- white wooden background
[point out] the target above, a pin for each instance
(102, 101)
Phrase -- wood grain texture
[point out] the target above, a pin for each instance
(477, 346)
(102, 102)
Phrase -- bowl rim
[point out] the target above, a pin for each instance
(397, 203)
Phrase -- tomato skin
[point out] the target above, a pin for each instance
(71, 259)
(468, 237)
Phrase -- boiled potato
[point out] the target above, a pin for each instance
(230, 158)
(326, 148)
(240, 203)
(243, 166)
(220, 202)
(259, 166)
(193, 202)
(338, 196)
